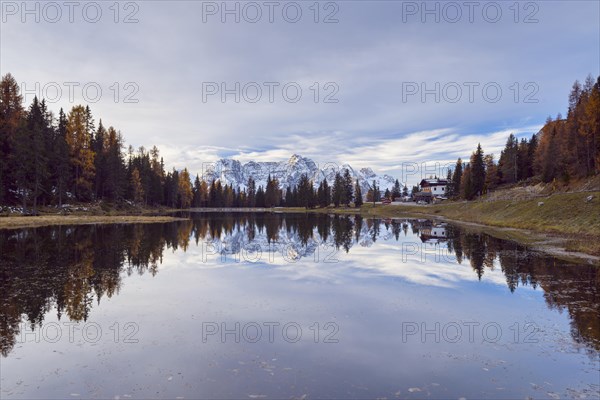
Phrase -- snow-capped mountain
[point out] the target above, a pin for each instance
(288, 173)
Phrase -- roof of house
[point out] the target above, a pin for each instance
(433, 182)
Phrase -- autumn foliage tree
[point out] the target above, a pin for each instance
(52, 160)
(81, 153)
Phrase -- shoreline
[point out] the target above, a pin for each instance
(22, 222)
(565, 226)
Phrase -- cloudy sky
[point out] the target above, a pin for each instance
(371, 83)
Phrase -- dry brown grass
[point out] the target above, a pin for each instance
(46, 220)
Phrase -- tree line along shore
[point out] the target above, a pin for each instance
(49, 163)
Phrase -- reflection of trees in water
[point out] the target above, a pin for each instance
(567, 287)
(67, 267)
(71, 268)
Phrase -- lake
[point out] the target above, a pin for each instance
(268, 305)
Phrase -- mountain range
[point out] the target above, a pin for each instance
(288, 173)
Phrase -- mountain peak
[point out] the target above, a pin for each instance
(295, 158)
(288, 173)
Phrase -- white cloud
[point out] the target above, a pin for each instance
(170, 52)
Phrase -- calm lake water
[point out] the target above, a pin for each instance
(252, 306)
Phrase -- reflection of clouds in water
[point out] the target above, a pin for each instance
(431, 266)
(369, 293)
(409, 258)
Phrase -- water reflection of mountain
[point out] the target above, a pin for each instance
(72, 268)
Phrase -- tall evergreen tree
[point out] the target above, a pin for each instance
(305, 192)
(289, 201)
(492, 178)
(60, 161)
(449, 188)
(272, 192)
(260, 197)
(97, 145)
(348, 195)
(114, 186)
(396, 190)
(466, 184)
(457, 178)
(137, 188)
(477, 171)
(251, 192)
(358, 199)
(376, 193)
(196, 202)
(338, 193)
(508, 163)
(531, 149)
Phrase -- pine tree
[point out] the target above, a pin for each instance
(196, 202)
(415, 190)
(466, 184)
(272, 193)
(260, 197)
(326, 193)
(171, 188)
(348, 194)
(358, 199)
(251, 192)
(396, 190)
(338, 192)
(136, 185)
(39, 128)
(60, 149)
(156, 179)
(376, 196)
(46, 186)
(449, 191)
(477, 171)
(531, 150)
(203, 194)
(228, 196)
(220, 198)
(97, 145)
(549, 169)
(492, 179)
(457, 179)
(321, 196)
(305, 192)
(508, 164)
(115, 173)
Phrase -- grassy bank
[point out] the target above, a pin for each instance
(46, 220)
(566, 224)
(87, 214)
(564, 219)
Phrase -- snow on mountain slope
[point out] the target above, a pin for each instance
(288, 173)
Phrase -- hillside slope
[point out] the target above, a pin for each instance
(568, 215)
